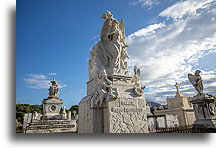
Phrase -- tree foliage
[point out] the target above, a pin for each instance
(74, 108)
(22, 109)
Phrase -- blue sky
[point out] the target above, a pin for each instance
(167, 39)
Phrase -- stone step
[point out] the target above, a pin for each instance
(53, 130)
(35, 127)
(51, 122)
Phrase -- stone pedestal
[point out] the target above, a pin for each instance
(204, 108)
(52, 107)
(125, 114)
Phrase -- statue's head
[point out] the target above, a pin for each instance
(107, 15)
(197, 72)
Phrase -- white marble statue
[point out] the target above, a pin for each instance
(138, 87)
(110, 52)
(64, 110)
(196, 81)
(53, 90)
(212, 109)
(104, 90)
(136, 71)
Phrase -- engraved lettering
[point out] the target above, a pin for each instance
(126, 109)
(127, 103)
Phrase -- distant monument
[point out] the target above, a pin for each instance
(52, 105)
(51, 121)
(115, 101)
(203, 104)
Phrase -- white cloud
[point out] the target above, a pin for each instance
(39, 81)
(166, 53)
(144, 3)
(52, 74)
(184, 8)
(145, 31)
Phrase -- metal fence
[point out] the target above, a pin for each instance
(186, 130)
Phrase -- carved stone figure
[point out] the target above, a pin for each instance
(136, 71)
(64, 110)
(35, 115)
(212, 109)
(177, 87)
(196, 81)
(204, 104)
(138, 87)
(110, 52)
(53, 90)
(105, 90)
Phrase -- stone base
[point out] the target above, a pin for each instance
(51, 108)
(205, 123)
(52, 126)
(204, 108)
(126, 114)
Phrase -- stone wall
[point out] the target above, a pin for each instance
(162, 121)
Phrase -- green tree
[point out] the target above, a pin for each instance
(74, 108)
(22, 109)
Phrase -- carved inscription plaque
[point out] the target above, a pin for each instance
(128, 102)
(126, 109)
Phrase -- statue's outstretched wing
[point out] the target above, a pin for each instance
(121, 26)
(192, 79)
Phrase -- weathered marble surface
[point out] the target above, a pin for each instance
(127, 114)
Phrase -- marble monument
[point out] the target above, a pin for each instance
(115, 100)
(52, 105)
(51, 121)
(203, 104)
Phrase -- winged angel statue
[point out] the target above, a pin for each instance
(110, 52)
(196, 81)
